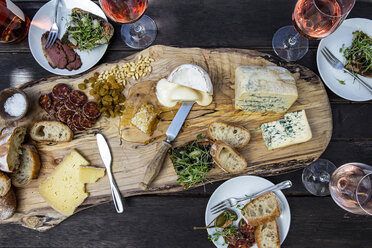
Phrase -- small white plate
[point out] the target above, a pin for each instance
(42, 22)
(247, 185)
(352, 90)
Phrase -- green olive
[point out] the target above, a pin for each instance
(226, 218)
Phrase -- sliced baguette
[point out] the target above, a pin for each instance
(231, 134)
(227, 158)
(11, 139)
(8, 204)
(267, 235)
(29, 167)
(51, 131)
(5, 184)
(261, 210)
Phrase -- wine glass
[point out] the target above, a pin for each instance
(350, 185)
(138, 30)
(312, 19)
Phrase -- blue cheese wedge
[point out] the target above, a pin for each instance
(292, 129)
(264, 89)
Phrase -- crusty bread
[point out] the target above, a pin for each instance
(8, 204)
(261, 210)
(5, 184)
(267, 235)
(10, 147)
(231, 134)
(29, 167)
(51, 131)
(227, 158)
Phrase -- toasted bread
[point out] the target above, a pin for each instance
(230, 134)
(267, 235)
(51, 131)
(227, 158)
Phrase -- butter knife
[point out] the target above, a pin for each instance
(154, 167)
(104, 151)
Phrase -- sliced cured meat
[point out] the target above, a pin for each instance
(70, 124)
(73, 59)
(74, 65)
(45, 102)
(91, 110)
(78, 98)
(76, 121)
(70, 105)
(57, 104)
(61, 91)
(64, 113)
(85, 122)
(55, 55)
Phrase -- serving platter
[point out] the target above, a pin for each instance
(130, 158)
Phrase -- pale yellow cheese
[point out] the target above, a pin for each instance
(63, 190)
(88, 174)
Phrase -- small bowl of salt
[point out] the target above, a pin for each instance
(13, 104)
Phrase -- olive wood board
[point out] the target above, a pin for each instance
(130, 158)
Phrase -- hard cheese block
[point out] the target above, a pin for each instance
(89, 174)
(63, 189)
(292, 129)
(264, 88)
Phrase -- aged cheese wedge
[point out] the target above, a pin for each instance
(89, 174)
(63, 189)
(264, 89)
(292, 129)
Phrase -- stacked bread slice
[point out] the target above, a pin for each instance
(262, 213)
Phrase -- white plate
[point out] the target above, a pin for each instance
(42, 22)
(247, 185)
(352, 90)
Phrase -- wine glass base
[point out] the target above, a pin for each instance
(140, 34)
(316, 177)
(289, 45)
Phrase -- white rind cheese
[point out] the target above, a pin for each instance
(264, 89)
(292, 129)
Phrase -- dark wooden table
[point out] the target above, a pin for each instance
(167, 220)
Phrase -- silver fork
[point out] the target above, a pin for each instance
(233, 201)
(53, 32)
(337, 64)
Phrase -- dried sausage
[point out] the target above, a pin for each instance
(91, 110)
(64, 113)
(85, 122)
(78, 97)
(61, 91)
(45, 102)
(76, 121)
(70, 105)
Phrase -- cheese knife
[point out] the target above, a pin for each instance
(104, 151)
(154, 167)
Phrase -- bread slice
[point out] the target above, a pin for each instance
(227, 158)
(11, 139)
(267, 235)
(8, 205)
(233, 135)
(51, 131)
(29, 167)
(5, 184)
(261, 210)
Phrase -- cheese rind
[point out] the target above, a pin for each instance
(88, 174)
(292, 129)
(62, 189)
(264, 89)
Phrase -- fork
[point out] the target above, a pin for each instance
(232, 201)
(53, 32)
(335, 63)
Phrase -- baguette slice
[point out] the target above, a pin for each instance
(8, 204)
(227, 158)
(261, 210)
(5, 184)
(51, 131)
(29, 168)
(11, 139)
(233, 135)
(267, 235)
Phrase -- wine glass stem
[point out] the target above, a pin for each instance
(324, 177)
(137, 31)
(292, 40)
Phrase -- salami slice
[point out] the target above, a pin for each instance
(85, 122)
(70, 105)
(45, 102)
(91, 110)
(61, 91)
(57, 105)
(64, 113)
(78, 97)
(76, 121)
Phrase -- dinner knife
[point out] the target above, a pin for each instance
(104, 151)
(154, 167)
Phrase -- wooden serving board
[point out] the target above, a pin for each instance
(130, 159)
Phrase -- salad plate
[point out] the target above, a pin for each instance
(42, 22)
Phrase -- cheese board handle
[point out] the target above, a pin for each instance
(154, 167)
